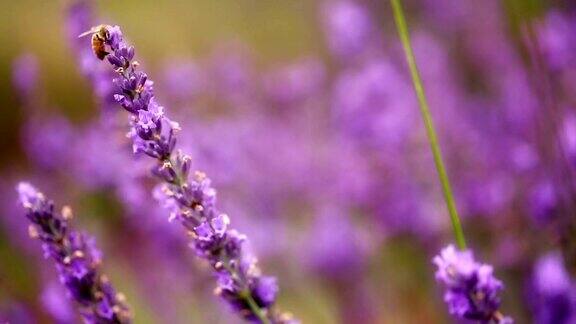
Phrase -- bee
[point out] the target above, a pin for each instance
(100, 34)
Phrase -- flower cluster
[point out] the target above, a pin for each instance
(76, 257)
(192, 200)
(472, 290)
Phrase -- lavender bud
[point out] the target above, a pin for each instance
(183, 162)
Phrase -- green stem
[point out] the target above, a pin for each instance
(431, 132)
(256, 309)
(246, 294)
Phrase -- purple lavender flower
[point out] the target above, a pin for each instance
(543, 202)
(367, 106)
(335, 248)
(192, 201)
(568, 137)
(294, 83)
(348, 27)
(104, 170)
(54, 302)
(47, 140)
(472, 290)
(231, 72)
(76, 257)
(552, 292)
(183, 82)
(25, 76)
(557, 39)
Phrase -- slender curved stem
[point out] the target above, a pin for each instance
(431, 132)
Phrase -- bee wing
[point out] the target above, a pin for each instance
(89, 32)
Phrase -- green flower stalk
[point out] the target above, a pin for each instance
(472, 291)
(430, 130)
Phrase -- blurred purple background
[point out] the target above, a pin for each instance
(304, 116)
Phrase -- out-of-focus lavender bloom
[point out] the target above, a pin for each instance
(231, 72)
(349, 177)
(192, 201)
(25, 76)
(552, 292)
(523, 157)
(512, 101)
(389, 205)
(543, 202)
(517, 98)
(183, 82)
(103, 170)
(488, 195)
(53, 299)
(447, 14)
(443, 89)
(295, 82)
(79, 19)
(348, 27)
(335, 246)
(48, 140)
(568, 137)
(76, 257)
(471, 288)
(367, 105)
(558, 41)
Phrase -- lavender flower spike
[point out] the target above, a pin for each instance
(192, 200)
(77, 259)
(472, 290)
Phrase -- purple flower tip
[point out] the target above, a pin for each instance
(28, 195)
(471, 288)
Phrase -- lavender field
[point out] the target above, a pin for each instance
(283, 162)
